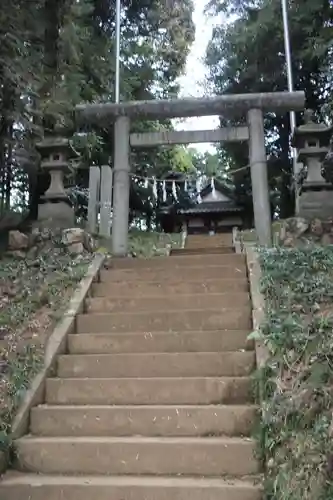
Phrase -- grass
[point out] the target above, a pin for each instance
(295, 438)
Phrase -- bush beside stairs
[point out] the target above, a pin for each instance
(154, 399)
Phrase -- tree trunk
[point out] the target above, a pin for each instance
(9, 165)
(148, 223)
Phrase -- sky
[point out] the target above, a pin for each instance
(192, 82)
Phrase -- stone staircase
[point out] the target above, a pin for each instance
(153, 399)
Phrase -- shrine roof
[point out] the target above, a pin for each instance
(212, 207)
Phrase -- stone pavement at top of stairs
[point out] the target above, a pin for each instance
(153, 400)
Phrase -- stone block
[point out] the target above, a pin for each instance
(57, 215)
(17, 240)
(316, 204)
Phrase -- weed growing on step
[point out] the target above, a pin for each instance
(32, 294)
(146, 244)
(296, 429)
(151, 244)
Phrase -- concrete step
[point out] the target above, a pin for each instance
(116, 343)
(207, 240)
(143, 420)
(169, 286)
(172, 320)
(152, 421)
(202, 251)
(222, 272)
(215, 259)
(152, 303)
(205, 364)
(208, 245)
(215, 456)
(149, 391)
(37, 487)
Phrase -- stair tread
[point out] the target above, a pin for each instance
(167, 332)
(177, 259)
(153, 390)
(142, 420)
(160, 342)
(198, 285)
(215, 310)
(204, 251)
(161, 354)
(162, 364)
(181, 258)
(225, 271)
(169, 301)
(151, 407)
(174, 279)
(183, 295)
(138, 455)
(38, 479)
(167, 319)
(163, 379)
(214, 440)
(239, 266)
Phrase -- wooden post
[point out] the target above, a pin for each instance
(121, 190)
(106, 201)
(260, 190)
(93, 203)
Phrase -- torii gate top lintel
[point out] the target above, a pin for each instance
(233, 104)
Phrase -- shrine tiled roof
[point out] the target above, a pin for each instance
(211, 207)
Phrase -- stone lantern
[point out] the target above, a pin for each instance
(55, 210)
(312, 143)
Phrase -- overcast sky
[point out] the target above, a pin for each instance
(192, 81)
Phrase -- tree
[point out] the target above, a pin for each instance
(19, 46)
(155, 44)
(247, 55)
(56, 54)
(208, 164)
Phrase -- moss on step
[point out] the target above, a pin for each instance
(296, 427)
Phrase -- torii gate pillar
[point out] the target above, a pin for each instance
(121, 186)
(259, 177)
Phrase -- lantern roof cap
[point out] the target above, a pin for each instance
(53, 143)
(311, 129)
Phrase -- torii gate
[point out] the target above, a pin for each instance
(252, 105)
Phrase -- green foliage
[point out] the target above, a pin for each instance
(32, 292)
(208, 164)
(247, 55)
(57, 53)
(19, 47)
(296, 427)
(152, 243)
